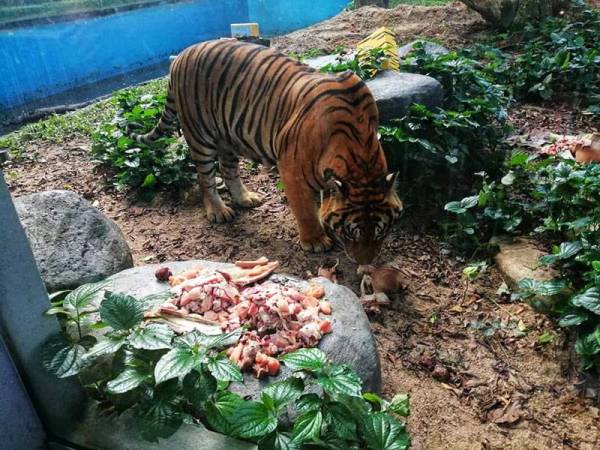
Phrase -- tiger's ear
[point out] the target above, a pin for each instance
(390, 180)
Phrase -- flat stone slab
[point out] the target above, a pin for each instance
(73, 243)
(518, 258)
(395, 92)
(350, 341)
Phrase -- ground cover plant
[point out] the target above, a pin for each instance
(556, 201)
(168, 379)
(166, 163)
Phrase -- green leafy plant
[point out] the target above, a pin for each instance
(447, 143)
(168, 379)
(166, 163)
(556, 200)
(560, 55)
(366, 63)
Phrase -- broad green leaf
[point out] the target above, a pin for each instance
(307, 426)
(108, 344)
(311, 359)
(278, 441)
(518, 158)
(400, 405)
(157, 419)
(153, 336)
(198, 386)
(223, 369)
(127, 380)
(253, 419)
(341, 420)
(57, 294)
(61, 357)
(176, 363)
(587, 344)
(149, 181)
(57, 310)
(542, 288)
(121, 312)
(212, 341)
(219, 412)
(83, 295)
(470, 202)
(382, 432)
(308, 402)
(573, 318)
(341, 380)
(283, 392)
(375, 400)
(589, 299)
(546, 338)
(331, 441)
(455, 207)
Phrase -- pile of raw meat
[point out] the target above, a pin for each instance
(279, 318)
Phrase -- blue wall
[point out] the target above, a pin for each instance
(42, 60)
(46, 59)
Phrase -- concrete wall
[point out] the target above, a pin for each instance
(25, 327)
(39, 63)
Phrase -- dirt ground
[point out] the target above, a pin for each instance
(453, 25)
(469, 357)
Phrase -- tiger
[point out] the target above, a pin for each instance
(233, 99)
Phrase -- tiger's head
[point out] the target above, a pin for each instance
(360, 215)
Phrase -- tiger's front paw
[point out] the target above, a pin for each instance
(220, 214)
(248, 199)
(319, 245)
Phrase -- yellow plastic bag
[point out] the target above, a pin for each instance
(384, 39)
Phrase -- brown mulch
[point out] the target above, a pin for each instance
(453, 25)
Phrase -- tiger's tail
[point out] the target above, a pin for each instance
(166, 126)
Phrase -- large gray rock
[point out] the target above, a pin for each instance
(350, 341)
(431, 48)
(394, 92)
(73, 243)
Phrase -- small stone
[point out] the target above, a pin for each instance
(440, 373)
(163, 274)
(426, 361)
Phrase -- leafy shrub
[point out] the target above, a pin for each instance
(166, 163)
(366, 63)
(560, 56)
(437, 147)
(557, 200)
(168, 379)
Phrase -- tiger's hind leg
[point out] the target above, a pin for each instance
(230, 170)
(205, 160)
